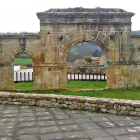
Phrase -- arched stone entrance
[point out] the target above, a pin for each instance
(60, 30)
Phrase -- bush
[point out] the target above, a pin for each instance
(88, 59)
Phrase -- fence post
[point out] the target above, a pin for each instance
(93, 76)
(24, 77)
(104, 77)
(20, 77)
(16, 76)
(32, 76)
(74, 76)
(89, 76)
(28, 76)
(100, 77)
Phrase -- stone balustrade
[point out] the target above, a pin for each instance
(104, 105)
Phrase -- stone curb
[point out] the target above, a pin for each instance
(104, 105)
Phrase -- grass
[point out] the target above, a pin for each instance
(20, 61)
(133, 94)
(24, 85)
(76, 85)
(71, 85)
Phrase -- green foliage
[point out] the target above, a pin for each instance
(88, 59)
(23, 62)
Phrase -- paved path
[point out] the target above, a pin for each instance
(38, 123)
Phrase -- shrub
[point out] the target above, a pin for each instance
(88, 59)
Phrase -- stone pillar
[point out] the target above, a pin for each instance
(123, 76)
(50, 76)
(6, 77)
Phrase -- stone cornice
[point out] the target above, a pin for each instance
(123, 62)
(17, 35)
(87, 23)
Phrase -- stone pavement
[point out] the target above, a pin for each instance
(39, 123)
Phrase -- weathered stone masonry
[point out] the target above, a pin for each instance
(60, 30)
(105, 105)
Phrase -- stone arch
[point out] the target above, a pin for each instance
(97, 37)
(11, 54)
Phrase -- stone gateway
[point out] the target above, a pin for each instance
(60, 30)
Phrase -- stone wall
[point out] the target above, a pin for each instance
(104, 105)
(85, 69)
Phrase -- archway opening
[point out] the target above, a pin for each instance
(86, 67)
(23, 72)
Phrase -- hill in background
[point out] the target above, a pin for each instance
(81, 50)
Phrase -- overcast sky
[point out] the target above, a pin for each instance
(20, 15)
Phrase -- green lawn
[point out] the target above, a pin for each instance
(76, 85)
(71, 85)
(20, 61)
(118, 94)
(24, 85)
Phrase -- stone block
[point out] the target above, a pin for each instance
(94, 105)
(32, 102)
(63, 106)
(92, 101)
(124, 112)
(138, 113)
(88, 108)
(117, 107)
(133, 113)
(81, 105)
(60, 101)
(112, 111)
(123, 107)
(87, 105)
(68, 102)
(137, 109)
(55, 105)
(17, 103)
(103, 110)
(129, 108)
(40, 103)
(73, 106)
(135, 104)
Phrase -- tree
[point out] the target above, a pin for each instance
(96, 53)
(88, 59)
